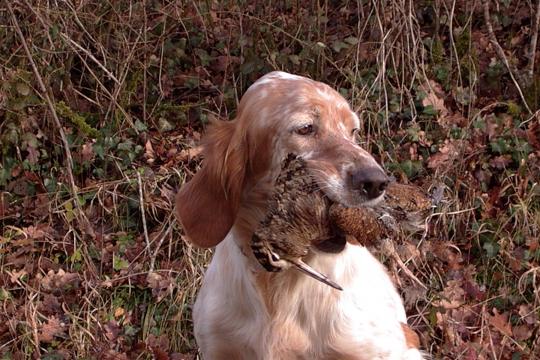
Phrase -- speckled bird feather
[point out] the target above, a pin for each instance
(299, 215)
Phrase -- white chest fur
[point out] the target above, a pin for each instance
(307, 319)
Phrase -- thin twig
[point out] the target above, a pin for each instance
(143, 214)
(158, 247)
(500, 53)
(91, 56)
(390, 249)
(83, 221)
(534, 39)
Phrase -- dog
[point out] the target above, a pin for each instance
(245, 312)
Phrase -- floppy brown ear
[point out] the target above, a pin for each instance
(207, 205)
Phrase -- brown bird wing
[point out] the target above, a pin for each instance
(407, 197)
(297, 213)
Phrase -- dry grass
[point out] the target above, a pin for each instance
(102, 104)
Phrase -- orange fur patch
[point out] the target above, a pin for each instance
(411, 337)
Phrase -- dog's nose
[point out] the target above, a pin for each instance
(370, 181)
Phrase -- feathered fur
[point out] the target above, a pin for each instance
(245, 312)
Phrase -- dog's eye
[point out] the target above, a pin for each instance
(307, 129)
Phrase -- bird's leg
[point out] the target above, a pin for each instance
(308, 270)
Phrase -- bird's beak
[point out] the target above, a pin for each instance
(308, 270)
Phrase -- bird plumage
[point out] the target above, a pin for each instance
(404, 208)
(299, 215)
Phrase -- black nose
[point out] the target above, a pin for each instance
(370, 181)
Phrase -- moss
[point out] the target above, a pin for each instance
(79, 121)
(532, 92)
(437, 51)
(513, 109)
(463, 43)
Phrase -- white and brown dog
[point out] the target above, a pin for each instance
(244, 312)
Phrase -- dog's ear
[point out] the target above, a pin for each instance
(207, 205)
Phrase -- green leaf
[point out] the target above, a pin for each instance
(119, 263)
(70, 214)
(203, 55)
(4, 294)
(140, 126)
(430, 110)
(339, 45)
(499, 146)
(295, 59)
(516, 356)
(125, 146)
(491, 248)
(53, 31)
(22, 88)
(99, 150)
(411, 168)
(76, 256)
(351, 40)
(165, 125)
(513, 109)
(441, 73)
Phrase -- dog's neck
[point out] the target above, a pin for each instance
(253, 208)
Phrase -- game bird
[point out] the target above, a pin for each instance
(300, 215)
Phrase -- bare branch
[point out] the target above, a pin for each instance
(83, 221)
(534, 39)
(500, 53)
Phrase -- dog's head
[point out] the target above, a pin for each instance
(278, 114)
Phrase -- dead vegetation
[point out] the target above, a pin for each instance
(102, 104)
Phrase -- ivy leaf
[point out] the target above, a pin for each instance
(119, 263)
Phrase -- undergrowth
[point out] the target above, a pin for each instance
(103, 103)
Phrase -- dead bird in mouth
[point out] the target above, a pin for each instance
(300, 215)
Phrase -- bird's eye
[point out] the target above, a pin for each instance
(304, 130)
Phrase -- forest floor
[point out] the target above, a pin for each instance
(103, 103)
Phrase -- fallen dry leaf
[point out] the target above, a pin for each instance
(434, 97)
(500, 322)
(179, 356)
(112, 330)
(447, 153)
(53, 327)
(33, 155)
(500, 162)
(453, 295)
(528, 314)
(114, 355)
(60, 280)
(119, 311)
(452, 120)
(50, 305)
(149, 153)
(522, 332)
(190, 154)
(87, 152)
(37, 232)
(161, 286)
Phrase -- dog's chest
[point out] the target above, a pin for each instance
(315, 320)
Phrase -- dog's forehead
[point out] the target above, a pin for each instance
(295, 85)
(276, 76)
(281, 89)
